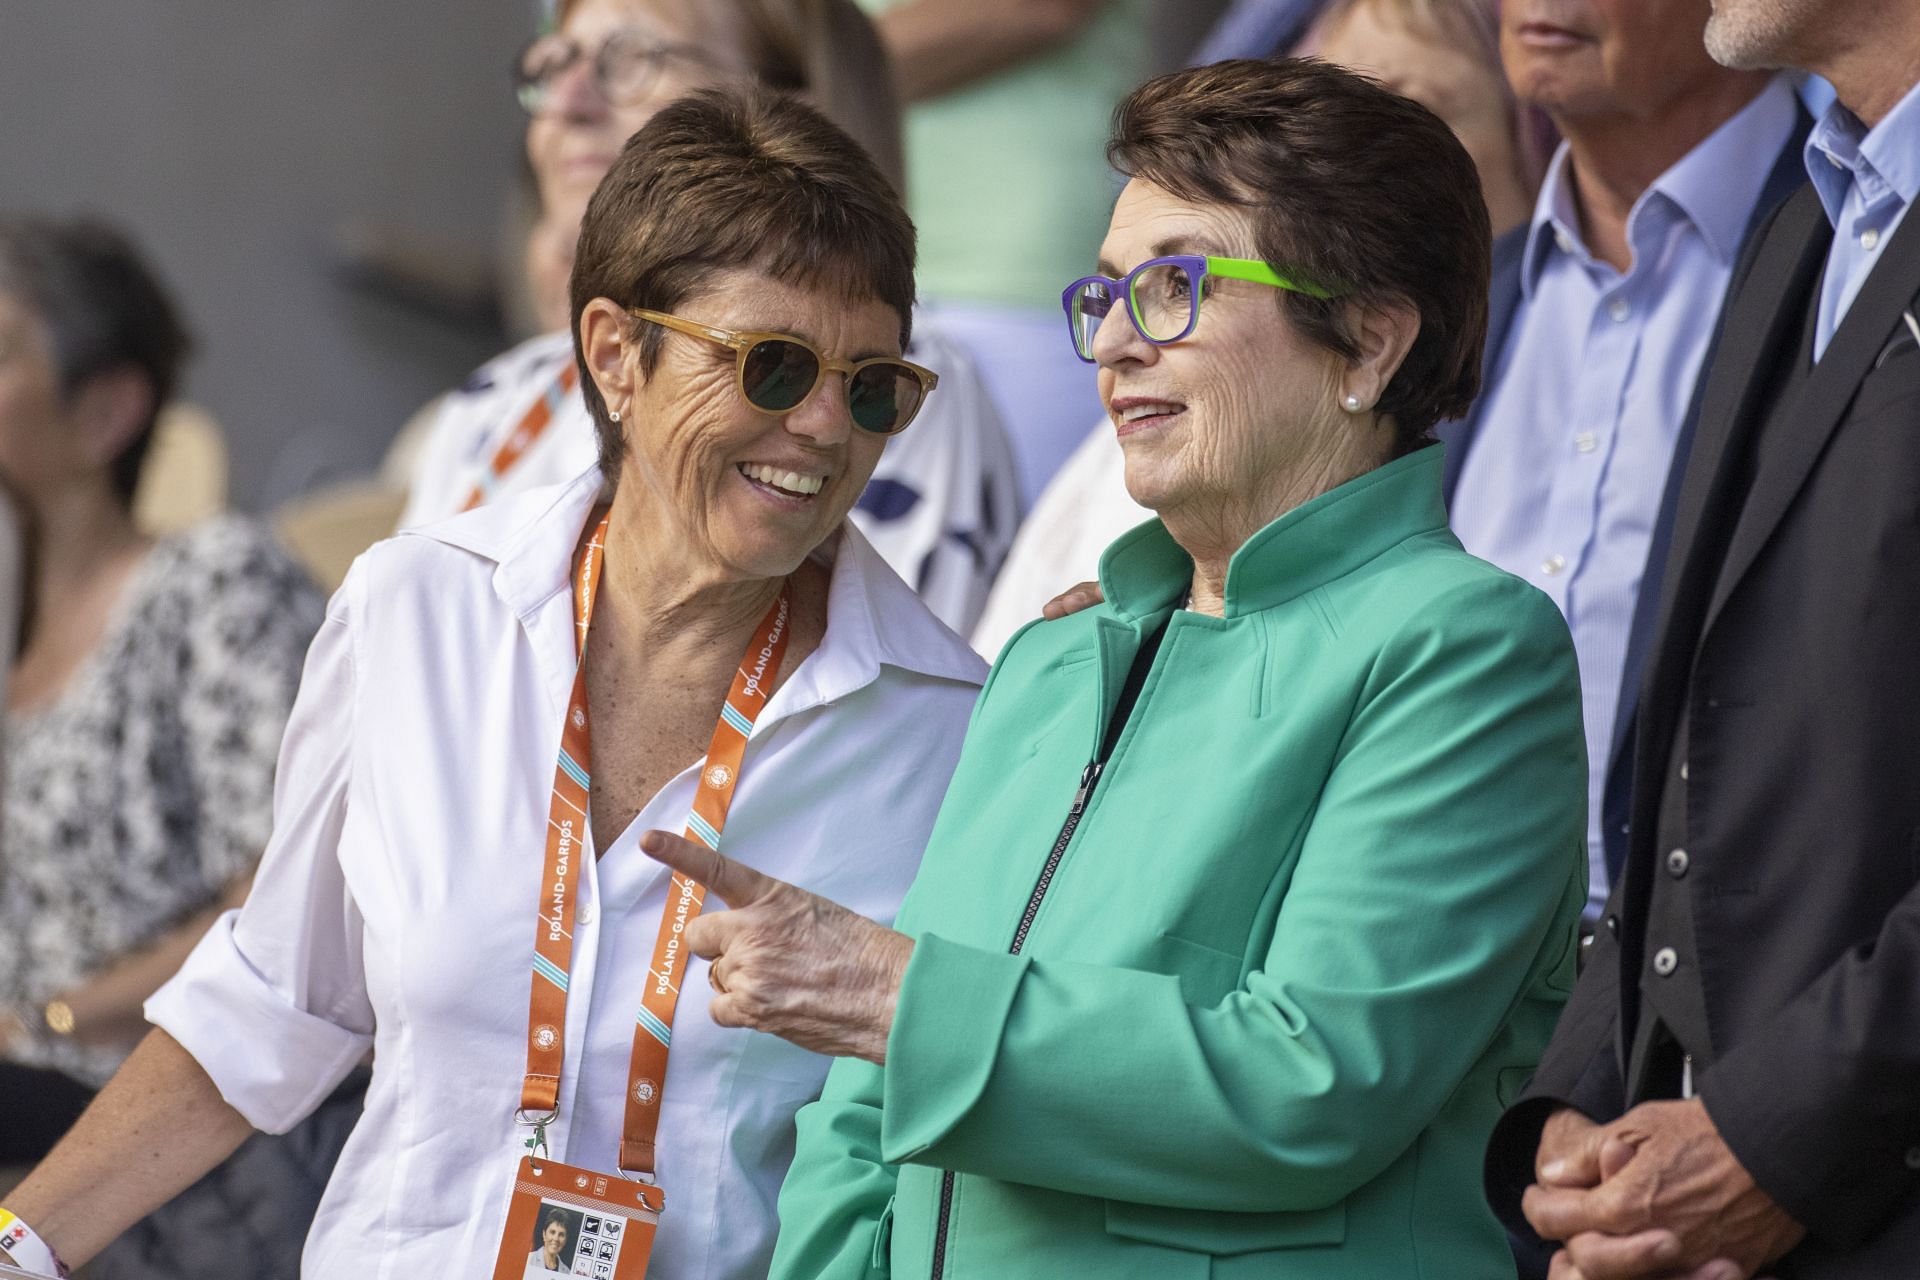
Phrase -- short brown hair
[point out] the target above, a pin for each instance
(735, 177)
(1350, 185)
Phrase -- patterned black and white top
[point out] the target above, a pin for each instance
(134, 800)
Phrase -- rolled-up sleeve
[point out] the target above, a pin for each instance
(273, 1002)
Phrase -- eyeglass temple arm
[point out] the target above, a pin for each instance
(725, 337)
(1260, 273)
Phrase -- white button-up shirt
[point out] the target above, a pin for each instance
(395, 908)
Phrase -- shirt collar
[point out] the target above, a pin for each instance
(1315, 543)
(1883, 162)
(1713, 187)
(873, 618)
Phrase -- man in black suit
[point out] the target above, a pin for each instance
(1735, 1087)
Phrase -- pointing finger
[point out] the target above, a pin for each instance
(733, 883)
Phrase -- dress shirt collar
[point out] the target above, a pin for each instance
(1313, 544)
(1713, 187)
(873, 618)
(1884, 162)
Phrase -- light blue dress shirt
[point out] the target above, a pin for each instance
(1866, 179)
(1564, 480)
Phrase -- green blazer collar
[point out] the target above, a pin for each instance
(1145, 570)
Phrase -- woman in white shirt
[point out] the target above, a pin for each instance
(943, 504)
(418, 787)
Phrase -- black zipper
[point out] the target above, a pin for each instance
(1088, 777)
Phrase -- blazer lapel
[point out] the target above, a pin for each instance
(1823, 399)
(1763, 317)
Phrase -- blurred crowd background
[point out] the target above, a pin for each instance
(336, 194)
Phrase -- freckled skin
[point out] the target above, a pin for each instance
(688, 425)
(1263, 429)
(696, 551)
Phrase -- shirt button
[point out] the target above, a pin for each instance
(1564, 240)
(1678, 862)
(1834, 160)
(1913, 1159)
(1618, 310)
(1613, 926)
(1683, 771)
(1552, 565)
(1665, 961)
(1586, 442)
(1870, 239)
(585, 915)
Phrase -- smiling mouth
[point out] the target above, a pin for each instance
(1139, 415)
(787, 484)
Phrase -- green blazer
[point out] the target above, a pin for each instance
(1308, 938)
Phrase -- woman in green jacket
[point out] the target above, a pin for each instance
(1255, 895)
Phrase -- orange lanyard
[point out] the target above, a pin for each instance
(566, 827)
(531, 428)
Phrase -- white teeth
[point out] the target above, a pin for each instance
(1139, 411)
(791, 481)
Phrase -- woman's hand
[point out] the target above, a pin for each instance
(787, 961)
(1072, 601)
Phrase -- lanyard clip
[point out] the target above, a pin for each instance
(537, 1143)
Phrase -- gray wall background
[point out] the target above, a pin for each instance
(246, 144)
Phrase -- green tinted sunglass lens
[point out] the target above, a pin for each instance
(882, 396)
(778, 374)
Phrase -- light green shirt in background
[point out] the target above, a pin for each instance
(1007, 178)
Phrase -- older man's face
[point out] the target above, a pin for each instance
(1586, 59)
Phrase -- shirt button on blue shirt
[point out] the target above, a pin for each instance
(1618, 310)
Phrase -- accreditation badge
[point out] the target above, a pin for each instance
(564, 1221)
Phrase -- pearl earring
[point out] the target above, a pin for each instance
(613, 415)
(1352, 404)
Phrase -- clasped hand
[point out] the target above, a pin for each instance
(1656, 1195)
(787, 961)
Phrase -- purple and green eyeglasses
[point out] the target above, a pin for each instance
(1163, 296)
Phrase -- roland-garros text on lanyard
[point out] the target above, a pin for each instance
(566, 828)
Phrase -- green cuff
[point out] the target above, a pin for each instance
(953, 1009)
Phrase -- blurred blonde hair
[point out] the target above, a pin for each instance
(827, 51)
(1472, 27)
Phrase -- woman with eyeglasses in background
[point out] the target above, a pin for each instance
(943, 506)
(688, 633)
